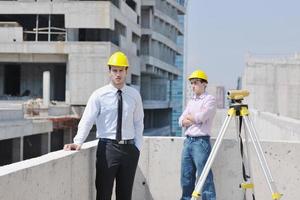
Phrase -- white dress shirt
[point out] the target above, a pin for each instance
(102, 110)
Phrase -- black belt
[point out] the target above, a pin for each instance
(205, 137)
(116, 142)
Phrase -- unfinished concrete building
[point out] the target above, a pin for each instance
(53, 55)
(218, 92)
(273, 82)
(57, 51)
(71, 39)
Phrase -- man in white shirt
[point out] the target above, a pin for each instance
(118, 113)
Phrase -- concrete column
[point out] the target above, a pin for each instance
(67, 92)
(72, 34)
(46, 88)
(16, 149)
(45, 143)
(151, 18)
(1, 79)
(49, 28)
(36, 28)
(68, 136)
(21, 148)
(49, 142)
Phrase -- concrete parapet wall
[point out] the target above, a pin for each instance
(20, 128)
(8, 114)
(59, 110)
(269, 126)
(274, 127)
(53, 176)
(70, 175)
(11, 34)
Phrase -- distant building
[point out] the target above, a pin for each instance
(161, 56)
(219, 93)
(177, 85)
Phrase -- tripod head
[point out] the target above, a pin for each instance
(236, 96)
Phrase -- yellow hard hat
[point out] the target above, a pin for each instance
(118, 59)
(198, 74)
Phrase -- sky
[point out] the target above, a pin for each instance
(220, 33)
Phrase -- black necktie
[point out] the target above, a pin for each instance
(119, 120)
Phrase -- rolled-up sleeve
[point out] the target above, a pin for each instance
(208, 110)
(87, 121)
(185, 112)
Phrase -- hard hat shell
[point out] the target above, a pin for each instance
(198, 74)
(118, 59)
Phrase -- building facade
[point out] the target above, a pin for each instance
(177, 85)
(160, 56)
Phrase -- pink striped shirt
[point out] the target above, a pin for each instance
(203, 109)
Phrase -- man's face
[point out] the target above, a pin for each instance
(118, 75)
(198, 86)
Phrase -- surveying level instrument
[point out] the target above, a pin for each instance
(240, 112)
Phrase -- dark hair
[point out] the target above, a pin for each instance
(109, 67)
(202, 80)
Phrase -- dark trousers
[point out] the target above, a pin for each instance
(115, 161)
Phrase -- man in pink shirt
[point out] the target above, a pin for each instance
(197, 120)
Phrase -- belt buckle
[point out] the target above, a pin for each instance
(121, 142)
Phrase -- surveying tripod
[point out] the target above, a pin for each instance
(240, 111)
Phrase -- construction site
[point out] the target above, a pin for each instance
(53, 55)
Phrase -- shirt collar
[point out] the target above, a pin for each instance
(114, 89)
(200, 97)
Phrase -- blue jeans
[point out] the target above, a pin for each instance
(194, 156)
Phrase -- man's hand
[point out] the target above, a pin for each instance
(71, 147)
(190, 118)
(186, 122)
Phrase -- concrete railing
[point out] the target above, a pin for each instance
(70, 175)
(269, 126)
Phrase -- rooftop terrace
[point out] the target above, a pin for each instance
(70, 175)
